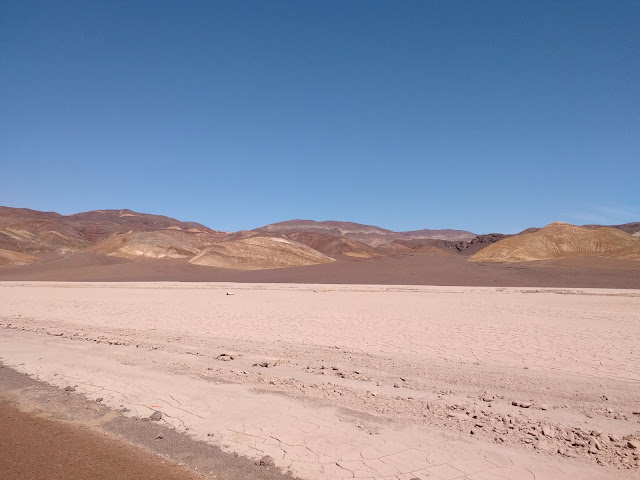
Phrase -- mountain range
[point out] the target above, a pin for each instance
(31, 236)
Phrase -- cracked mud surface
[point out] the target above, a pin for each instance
(353, 381)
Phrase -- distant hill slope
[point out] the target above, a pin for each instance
(258, 253)
(367, 234)
(335, 246)
(34, 232)
(562, 240)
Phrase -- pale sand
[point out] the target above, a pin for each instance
(455, 353)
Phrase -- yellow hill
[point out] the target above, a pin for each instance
(561, 240)
(257, 253)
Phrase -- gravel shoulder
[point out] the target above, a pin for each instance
(48, 433)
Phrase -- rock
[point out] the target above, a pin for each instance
(69, 389)
(99, 399)
(225, 357)
(515, 403)
(633, 444)
(570, 438)
(525, 404)
(229, 293)
(543, 446)
(380, 383)
(156, 416)
(472, 432)
(267, 461)
(159, 436)
(548, 431)
(397, 385)
(593, 450)
(614, 438)
(544, 407)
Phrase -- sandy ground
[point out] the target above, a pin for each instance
(430, 269)
(353, 381)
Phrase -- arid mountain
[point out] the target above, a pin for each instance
(9, 257)
(562, 240)
(258, 253)
(421, 246)
(114, 238)
(630, 228)
(159, 244)
(367, 234)
(335, 246)
(33, 232)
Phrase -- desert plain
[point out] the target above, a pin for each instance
(343, 381)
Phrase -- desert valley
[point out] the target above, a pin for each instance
(318, 350)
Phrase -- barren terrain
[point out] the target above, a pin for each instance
(394, 382)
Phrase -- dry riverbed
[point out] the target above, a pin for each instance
(352, 381)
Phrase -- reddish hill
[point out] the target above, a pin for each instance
(367, 234)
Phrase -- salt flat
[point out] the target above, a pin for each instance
(353, 381)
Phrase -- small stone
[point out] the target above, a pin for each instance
(543, 446)
(99, 399)
(69, 389)
(159, 436)
(380, 383)
(397, 385)
(596, 433)
(544, 407)
(614, 438)
(633, 444)
(548, 431)
(515, 403)
(472, 432)
(267, 461)
(525, 404)
(593, 450)
(156, 416)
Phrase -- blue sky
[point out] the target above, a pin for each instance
(486, 116)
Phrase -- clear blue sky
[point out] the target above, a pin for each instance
(481, 115)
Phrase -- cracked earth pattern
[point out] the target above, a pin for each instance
(357, 382)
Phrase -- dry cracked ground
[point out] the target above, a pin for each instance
(353, 381)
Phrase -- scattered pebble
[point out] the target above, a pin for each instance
(156, 416)
(267, 461)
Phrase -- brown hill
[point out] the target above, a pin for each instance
(160, 244)
(562, 240)
(9, 257)
(34, 232)
(335, 246)
(258, 253)
(367, 234)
